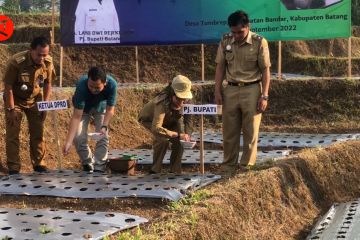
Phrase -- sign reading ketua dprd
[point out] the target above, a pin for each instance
(52, 105)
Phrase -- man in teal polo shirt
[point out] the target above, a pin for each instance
(95, 97)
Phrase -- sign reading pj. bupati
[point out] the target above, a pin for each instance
(207, 109)
(140, 22)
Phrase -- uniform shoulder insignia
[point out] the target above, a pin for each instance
(48, 58)
(227, 35)
(20, 57)
(257, 37)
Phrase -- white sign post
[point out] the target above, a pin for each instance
(54, 106)
(207, 109)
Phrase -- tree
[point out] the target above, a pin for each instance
(41, 5)
(355, 12)
(25, 5)
(11, 6)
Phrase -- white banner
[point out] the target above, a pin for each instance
(208, 109)
(52, 105)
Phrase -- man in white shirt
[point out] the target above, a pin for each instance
(96, 22)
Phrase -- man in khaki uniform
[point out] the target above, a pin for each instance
(26, 73)
(244, 57)
(163, 117)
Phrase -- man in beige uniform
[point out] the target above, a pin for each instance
(163, 117)
(244, 57)
(25, 74)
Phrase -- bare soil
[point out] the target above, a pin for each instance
(161, 63)
(311, 106)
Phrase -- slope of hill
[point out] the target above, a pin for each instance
(161, 63)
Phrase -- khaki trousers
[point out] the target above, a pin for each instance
(36, 131)
(239, 113)
(160, 146)
(98, 159)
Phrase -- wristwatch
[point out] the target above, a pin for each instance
(104, 126)
(265, 97)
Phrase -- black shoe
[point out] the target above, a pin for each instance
(40, 169)
(13, 172)
(87, 168)
(152, 172)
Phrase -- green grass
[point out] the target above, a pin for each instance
(183, 206)
(192, 220)
(136, 234)
(43, 229)
(128, 236)
(184, 203)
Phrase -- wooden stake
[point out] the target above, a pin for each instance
(349, 58)
(57, 139)
(202, 62)
(137, 64)
(51, 38)
(279, 61)
(202, 167)
(55, 119)
(61, 65)
(53, 22)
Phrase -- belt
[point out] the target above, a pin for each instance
(242, 84)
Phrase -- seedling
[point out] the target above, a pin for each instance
(43, 229)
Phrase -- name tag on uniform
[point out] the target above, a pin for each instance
(25, 77)
(52, 105)
(207, 109)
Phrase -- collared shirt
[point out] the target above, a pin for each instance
(96, 22)
(245, 61)
(165, 121)
(27, 78)
(84, 99)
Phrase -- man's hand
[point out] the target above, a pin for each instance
(262, 105)
(11, 117)
(104, 130)
(174, 135)
(66, 148)
(218, 97)
(185, 137)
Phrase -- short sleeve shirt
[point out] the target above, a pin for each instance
(243, 62)
(164, 120)
(84, 99)
(22, 72)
